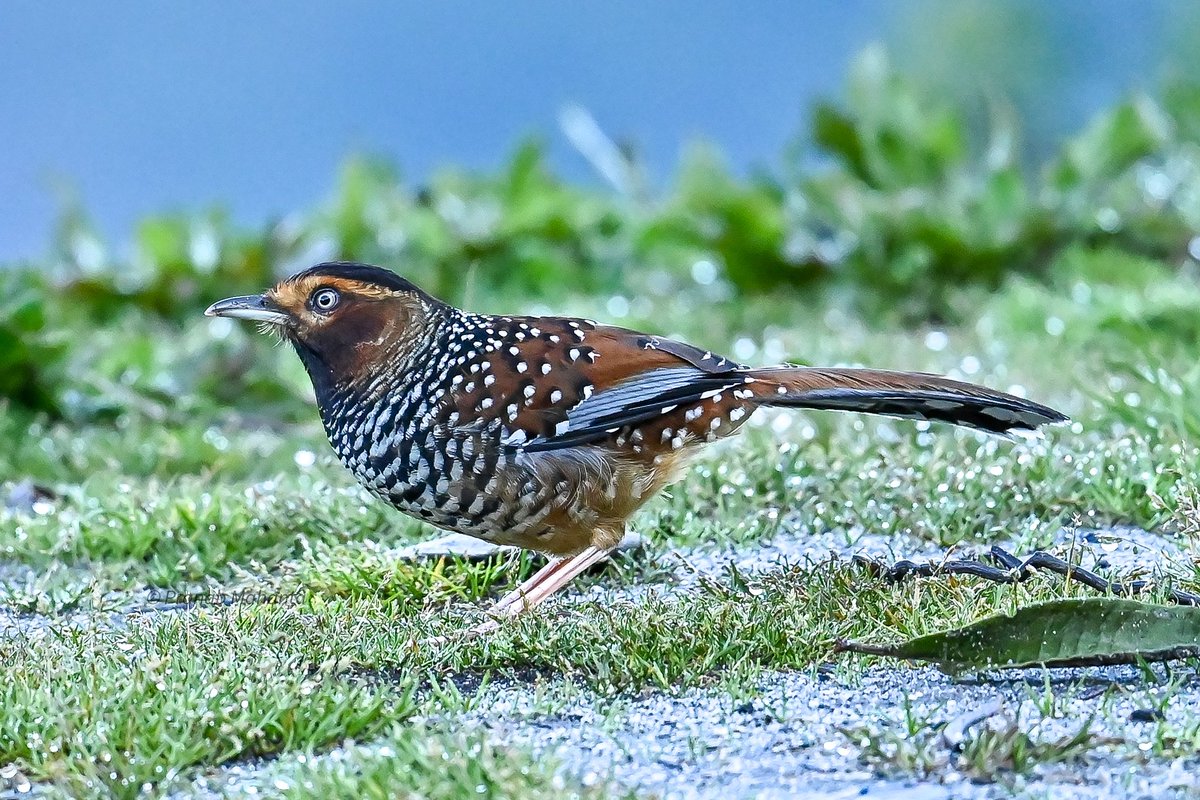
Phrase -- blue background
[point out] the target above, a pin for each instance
(138, 108)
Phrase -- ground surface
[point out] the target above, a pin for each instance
(205, 605)
(881, 731)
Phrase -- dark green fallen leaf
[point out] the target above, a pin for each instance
(1061, 633)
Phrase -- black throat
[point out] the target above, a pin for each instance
(324, 386)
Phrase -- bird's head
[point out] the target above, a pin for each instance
(344, 319)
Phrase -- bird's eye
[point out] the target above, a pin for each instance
(324, 300)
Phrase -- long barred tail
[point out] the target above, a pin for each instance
(913, 395)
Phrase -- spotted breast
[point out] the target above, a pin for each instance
(495, 427)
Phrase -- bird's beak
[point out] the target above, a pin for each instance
(252, 306)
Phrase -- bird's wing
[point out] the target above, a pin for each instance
(549, 383)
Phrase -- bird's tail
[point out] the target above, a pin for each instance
(913, 395)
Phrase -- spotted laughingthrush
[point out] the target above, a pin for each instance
(546, 433)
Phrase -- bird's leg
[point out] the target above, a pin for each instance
(548, 581)
(519, 593)
(540, 586)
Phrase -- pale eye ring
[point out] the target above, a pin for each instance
(324, 300)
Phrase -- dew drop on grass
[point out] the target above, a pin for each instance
(704, 272)
(744, 349)
(936, 341)
(1108, 219)
(220, 327)
(1194, 248)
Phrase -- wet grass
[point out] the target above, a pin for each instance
(304, 625)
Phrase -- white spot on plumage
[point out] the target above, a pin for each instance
(485, 402)
(522, 367)
(555, 396)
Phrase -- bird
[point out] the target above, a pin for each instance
(542, 432)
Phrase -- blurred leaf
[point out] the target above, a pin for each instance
(1113, 142)
(30, 359)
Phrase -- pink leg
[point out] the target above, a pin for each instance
(540, 586)
(518, 594)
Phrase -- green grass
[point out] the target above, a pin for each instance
(423, 763)
(305, 635)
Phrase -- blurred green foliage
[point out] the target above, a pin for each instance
(889, 202)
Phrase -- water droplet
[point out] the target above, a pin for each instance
(617, 306)
(704, 272)
(936, 341)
